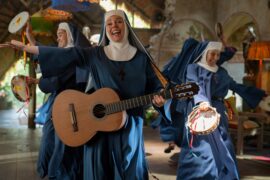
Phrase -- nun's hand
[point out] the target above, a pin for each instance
(158, 101)
(13, 44)
(5, 45)
(31, 81)
(20, 46)
(17, 45)
(204, 106)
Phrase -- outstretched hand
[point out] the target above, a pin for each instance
(17, 44)
(13, 44)
(20, 46)
(6, 44)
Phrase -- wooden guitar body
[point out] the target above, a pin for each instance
(74, 117)
(77, 117)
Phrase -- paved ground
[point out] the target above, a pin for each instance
(19, 149)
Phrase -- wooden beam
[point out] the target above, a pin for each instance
(14, 5)
(136, 8)
(10, 6)
(85, 18)
(32, 103)
(7, 14)
(4, 36)
(159, 4)
(5, 20)
(3, 26)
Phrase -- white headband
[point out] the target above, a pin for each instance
(114, 12)
(214, 45)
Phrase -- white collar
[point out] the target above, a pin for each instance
(119, 51)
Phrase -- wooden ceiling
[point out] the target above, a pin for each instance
(10, 8)
(148, 9)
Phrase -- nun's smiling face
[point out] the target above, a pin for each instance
(212, 57)
(62, 38)
(115, 28)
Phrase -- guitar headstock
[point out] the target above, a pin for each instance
(186, 90)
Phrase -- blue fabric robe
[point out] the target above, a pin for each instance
(175, 71)
(110, 155)
(212, 156)
(55, 159)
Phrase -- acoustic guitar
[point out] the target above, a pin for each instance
(77, 117)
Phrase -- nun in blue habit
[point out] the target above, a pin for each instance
(56, 160)
(119, 62)
(175, 71)
(212, 156)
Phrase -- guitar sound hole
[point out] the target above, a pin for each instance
(99, 111)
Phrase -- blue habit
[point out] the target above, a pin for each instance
(110, 155)
(175, 71)
(55, 159)
(212, 156)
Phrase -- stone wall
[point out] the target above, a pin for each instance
(197, 18)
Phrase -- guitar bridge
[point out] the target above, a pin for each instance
(73, 118)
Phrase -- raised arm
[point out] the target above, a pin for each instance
(227, 54)
(20, 46)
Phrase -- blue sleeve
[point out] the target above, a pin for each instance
(193, 75)
(53, 60)
(226, 55)
(66, 80)
(251, 95)
(48, 85)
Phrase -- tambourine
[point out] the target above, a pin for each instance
(203, 122)
(265, 104)
(219, 30)
(18, 22)
(20, 88)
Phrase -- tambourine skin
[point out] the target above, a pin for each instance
(18, 22)
(20, 88)
(203, 122)
(265, 104)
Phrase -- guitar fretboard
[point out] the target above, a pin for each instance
(135, 102)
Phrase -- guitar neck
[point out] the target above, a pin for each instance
(135, 102)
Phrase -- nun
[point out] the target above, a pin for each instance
(212, 156)
(56, 160)
(175, 71)
(120, 62)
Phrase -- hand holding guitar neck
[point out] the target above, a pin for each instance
(158, 101)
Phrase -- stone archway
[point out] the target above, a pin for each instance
(236, 28)
(169, 41)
